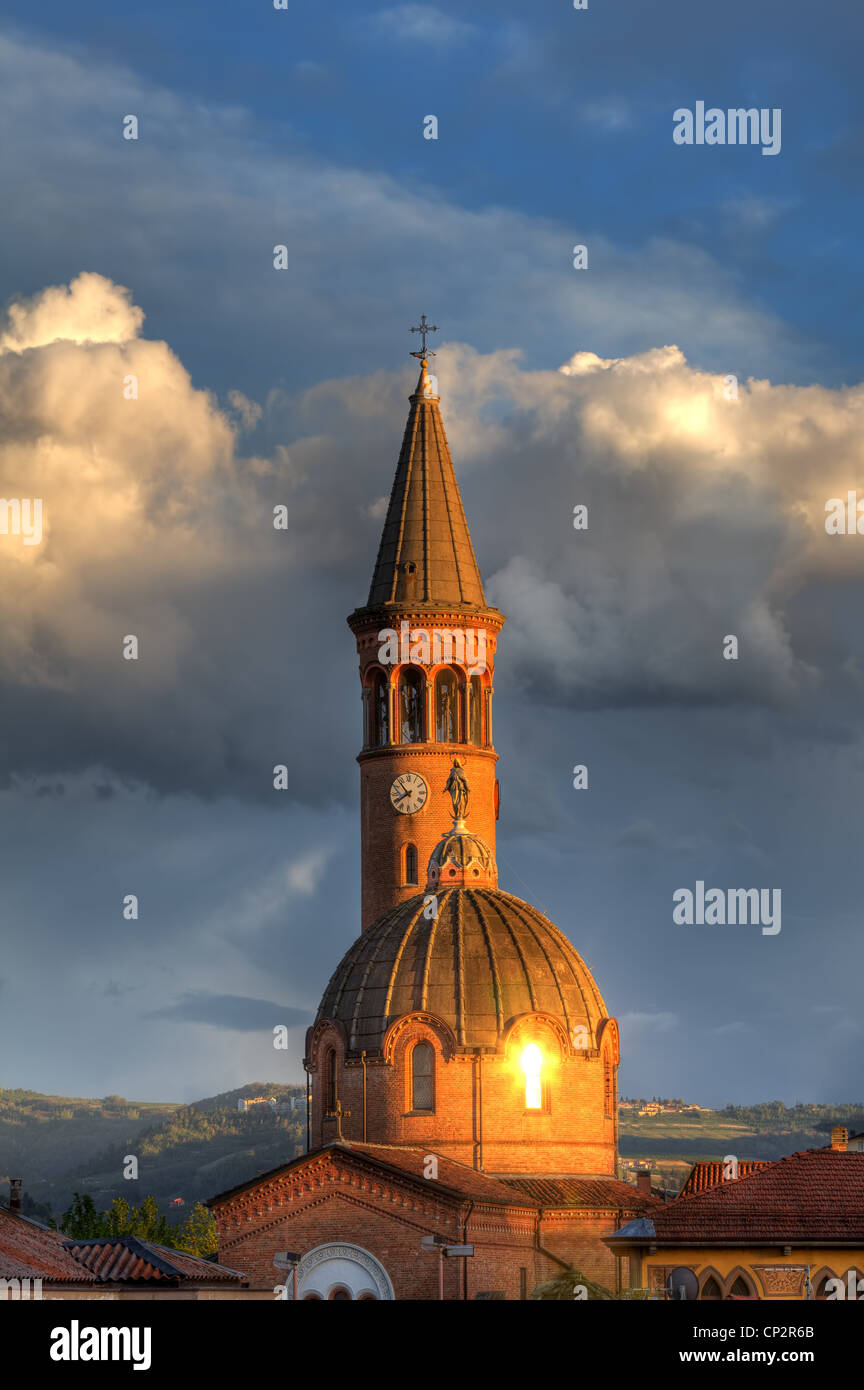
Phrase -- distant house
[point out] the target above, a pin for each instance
(856, 1142)
(244, 1104)
(38, 1263)
(702, 1176)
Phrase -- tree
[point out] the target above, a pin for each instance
(198, 1236)
(562, 1288)
(150, 1225)
(82, 1221)
(117, 1218)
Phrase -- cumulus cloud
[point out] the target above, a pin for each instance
(706, 517)
(89, 310)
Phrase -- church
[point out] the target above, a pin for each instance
(462, 1067)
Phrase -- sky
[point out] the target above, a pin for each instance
(698, 387)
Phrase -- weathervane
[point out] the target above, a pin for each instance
(423, 330)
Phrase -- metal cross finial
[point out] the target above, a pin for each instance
(423, 330)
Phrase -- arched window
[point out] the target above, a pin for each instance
(379, 713)
(475, 711)
(411, 864)
(410, 706)
(532, 1066)
(447, 707)
(339, 1296)
(741, 1288)
(711, 1289)
(330, 1082)
(423, 1077)
(822, 1289)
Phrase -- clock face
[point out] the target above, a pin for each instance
(408, 793)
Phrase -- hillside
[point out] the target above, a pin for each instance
(61, 1145)
(671, 1142)
(191, 1151)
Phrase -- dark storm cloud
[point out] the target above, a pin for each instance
(232, 1012)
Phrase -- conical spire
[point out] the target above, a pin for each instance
(426, 555)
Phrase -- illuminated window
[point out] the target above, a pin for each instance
(423, 1077)
(410, 863)
(532, 1066)
(330, 1082)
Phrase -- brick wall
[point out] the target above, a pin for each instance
(574, 1135)
(384, 831)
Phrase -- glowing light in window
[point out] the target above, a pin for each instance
(532, 1063)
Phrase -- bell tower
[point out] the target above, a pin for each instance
(426, 642)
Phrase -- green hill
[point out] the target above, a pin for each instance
(671, 1142)
(61, 1146)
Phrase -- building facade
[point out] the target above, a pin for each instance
(462, 1065)
(790, 1230)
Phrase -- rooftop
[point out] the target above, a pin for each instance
(814, 1198)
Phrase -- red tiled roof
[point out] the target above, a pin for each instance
(815, 1197)
(465, 1181)
(31, 1251)
(462, 1181)
(702, 1176)
(116, 1259)
(453, 1177)
(584, 1192)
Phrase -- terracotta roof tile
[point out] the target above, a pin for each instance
(453, 1177)
(816, 1196)
(584, 1192)
(29, 1250)
(458, 1177)
(702, 1176)
(118, 1259)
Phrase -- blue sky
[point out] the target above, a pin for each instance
(559, 116)
(304, 127)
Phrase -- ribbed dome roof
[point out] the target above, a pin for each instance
(461, 860)
(488, 958)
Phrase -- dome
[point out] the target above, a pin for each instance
(460, 859)
(488, 958)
